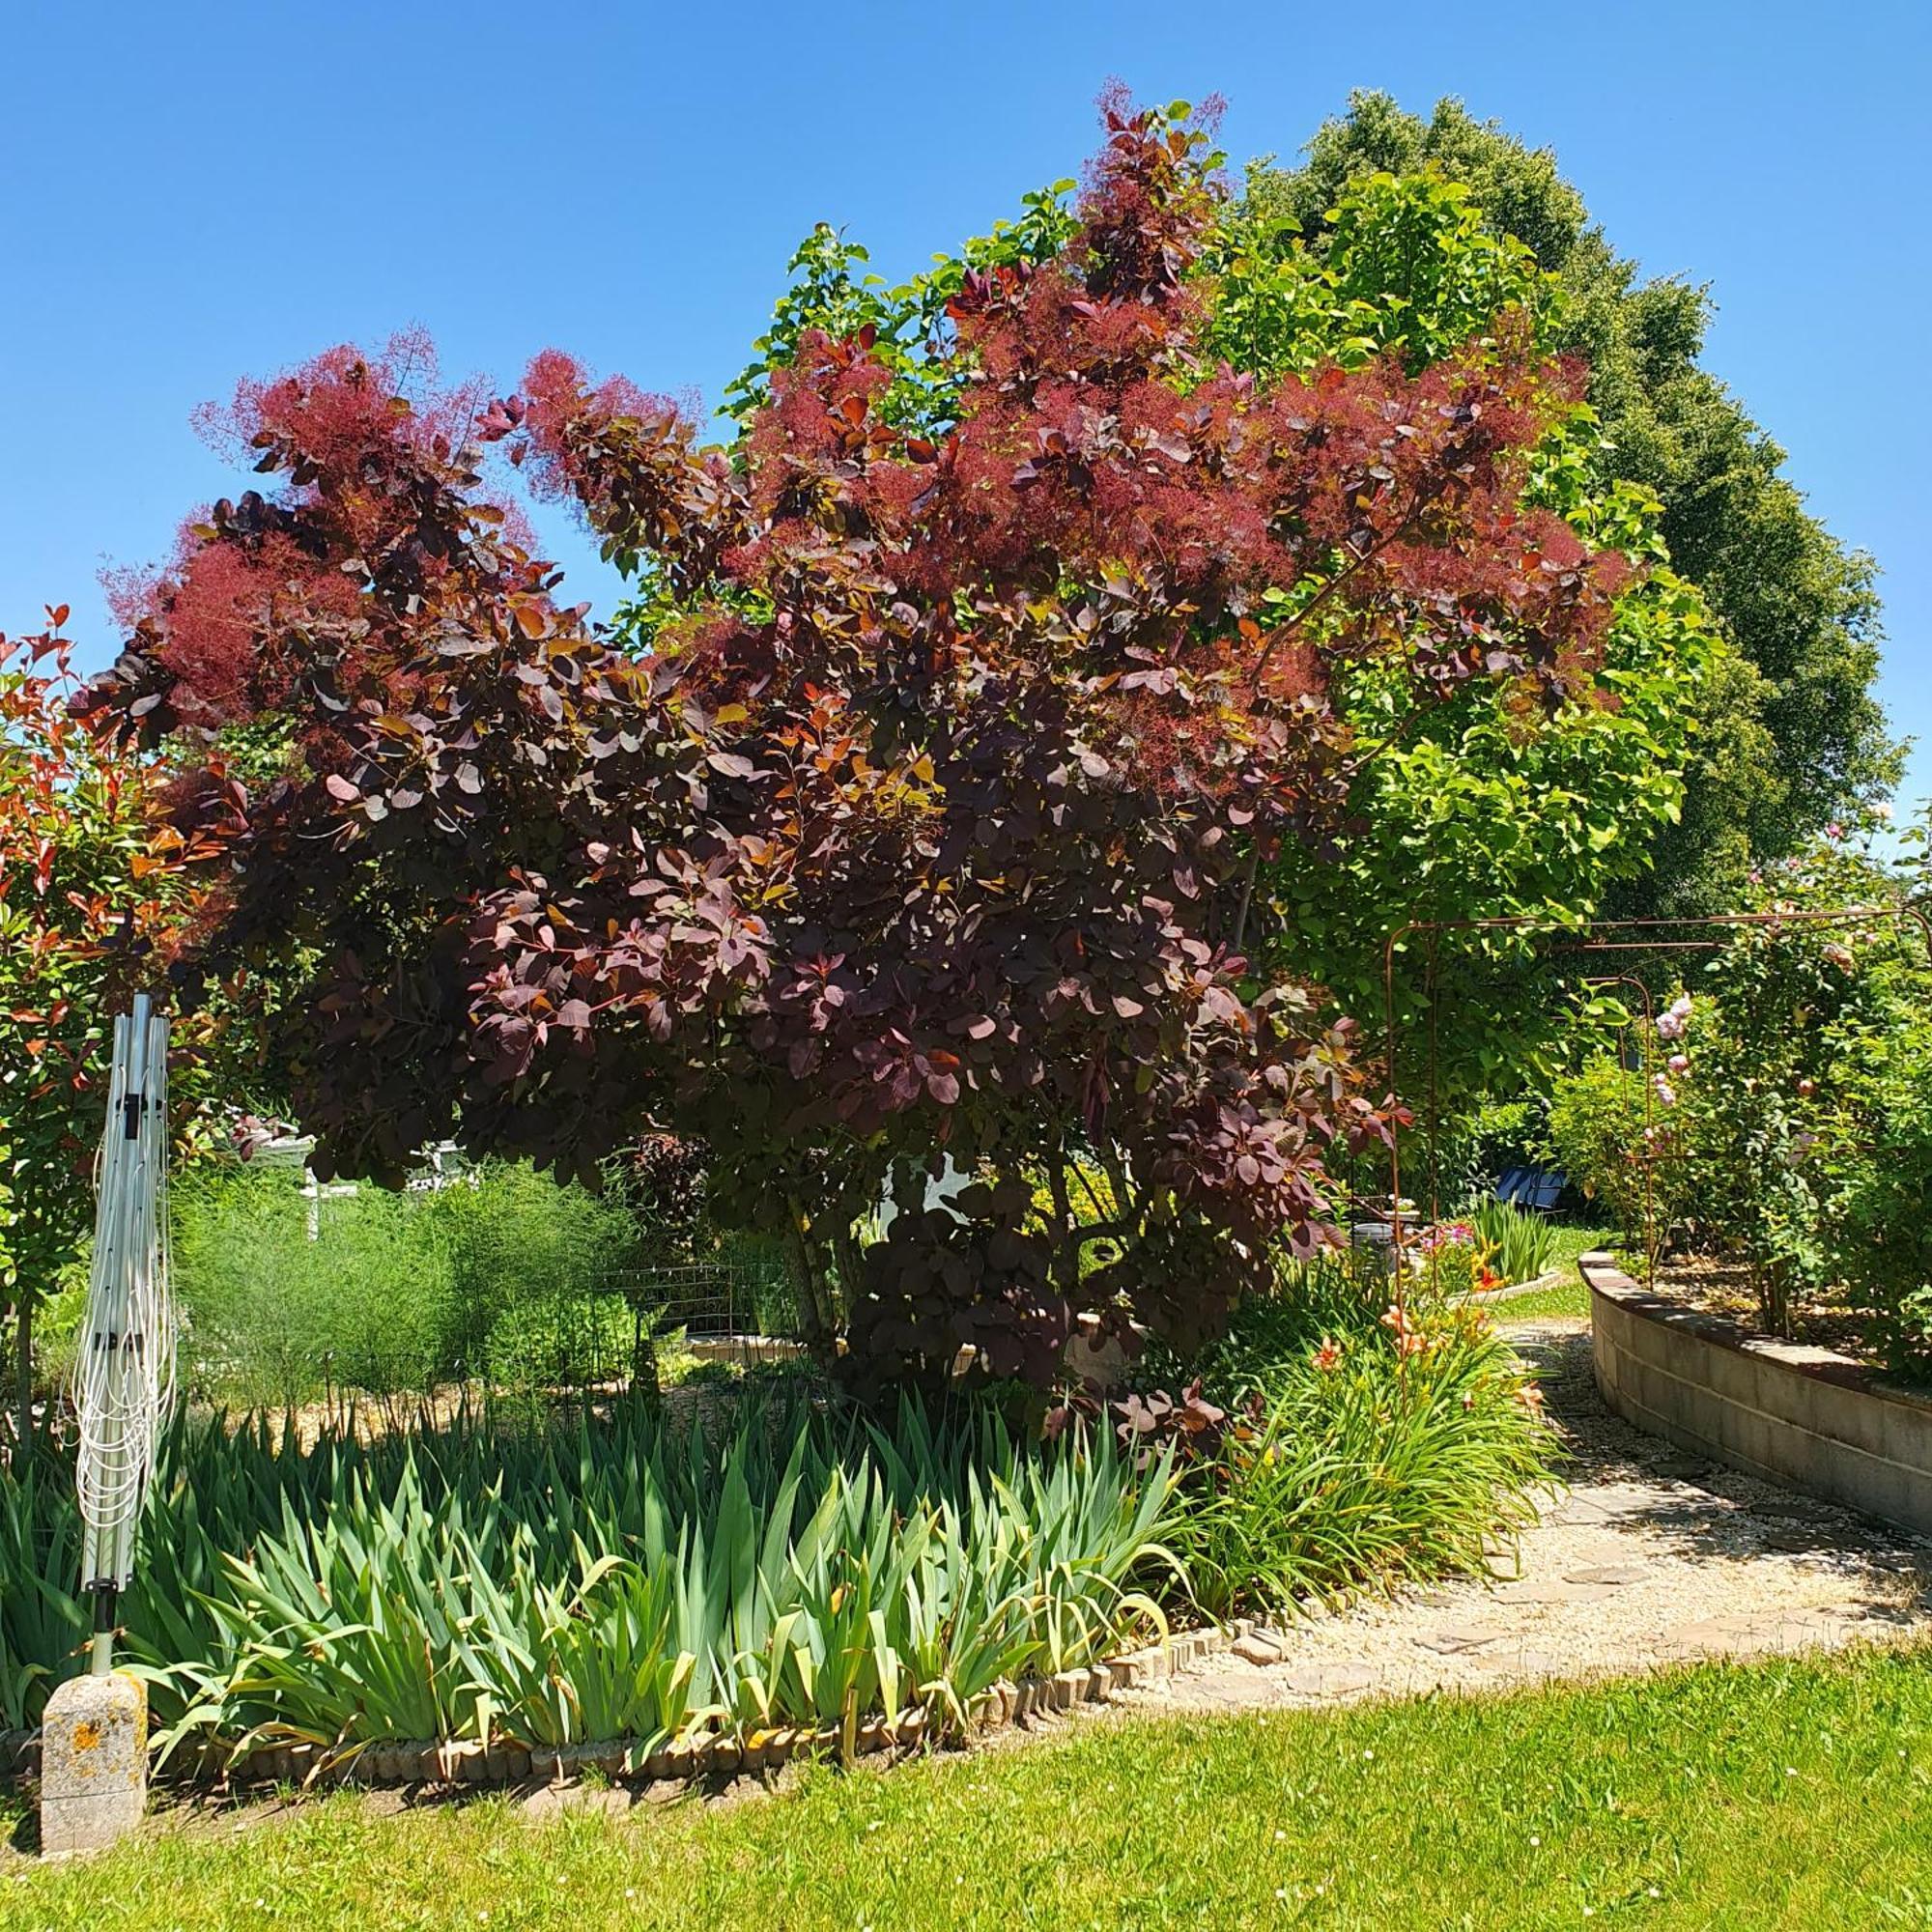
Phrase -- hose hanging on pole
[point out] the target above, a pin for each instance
(124, 1373)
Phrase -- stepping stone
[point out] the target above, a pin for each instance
(1520, 1664)
(1547, 1590)
(1720, 1636)
(1794, 1509)
(1633, 1498)
(1328, 1680)
(1576, 1514)
(549, 1800)
(1795, 1539)
(1607, 1573)
(1451, 1638)
(1833, 1624)
(1258, 1649)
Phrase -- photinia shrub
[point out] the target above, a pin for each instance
(93, 896)
(920, 837)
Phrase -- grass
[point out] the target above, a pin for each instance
(1789, 1795)
(1570, 1296)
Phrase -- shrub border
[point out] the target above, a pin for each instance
(471, 1765)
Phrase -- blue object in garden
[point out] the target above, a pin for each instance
(1534, 1189)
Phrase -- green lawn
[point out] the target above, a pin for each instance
(1571, 1298)
(1782, 1796)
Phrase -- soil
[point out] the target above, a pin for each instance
(1729, 1289)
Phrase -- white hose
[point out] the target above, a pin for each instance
(124, 1373)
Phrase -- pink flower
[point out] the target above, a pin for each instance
(1665, 1091)
(1672, 1021)
(1835, 830)
(1679, 1062)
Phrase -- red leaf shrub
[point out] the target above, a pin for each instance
(924, 829)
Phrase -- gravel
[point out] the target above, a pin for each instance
(1646, 1560)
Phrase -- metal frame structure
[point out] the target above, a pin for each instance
(124, 1373)
(1581, 937)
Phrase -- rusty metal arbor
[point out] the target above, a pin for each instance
(1609, 953)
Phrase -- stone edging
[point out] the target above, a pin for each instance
(507, 1764)
(1550, 1278)
(1808, 1417)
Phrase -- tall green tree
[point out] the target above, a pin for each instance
(1793, 735)
(1473, 810)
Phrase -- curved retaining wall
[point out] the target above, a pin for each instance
(1809, 1417)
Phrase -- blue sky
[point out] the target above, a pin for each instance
(190, 193)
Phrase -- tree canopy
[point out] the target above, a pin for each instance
(93, 896)
(975, 699)
(1794, 737)
(1470, 810)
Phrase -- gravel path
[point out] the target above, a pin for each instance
(1648, 1559)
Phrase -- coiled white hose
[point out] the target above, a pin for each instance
(124, 1373)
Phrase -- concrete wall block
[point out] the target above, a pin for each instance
(1817, 1421)
(94, 1763)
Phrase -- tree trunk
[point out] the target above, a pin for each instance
(845, 1260)
(1065, 1261)
(820, 1335)
(23, 1387)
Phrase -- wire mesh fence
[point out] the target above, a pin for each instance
(635, 1328)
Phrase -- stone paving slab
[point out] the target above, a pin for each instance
(1648, 1559)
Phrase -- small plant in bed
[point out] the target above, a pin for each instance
(1348, 1444)
(1521, 1247)
(1451, 1259)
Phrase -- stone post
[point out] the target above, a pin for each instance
(94, 1763)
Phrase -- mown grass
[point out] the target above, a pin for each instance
(1784, 1795)
(1570, 1296)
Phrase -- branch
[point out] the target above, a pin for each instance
(1334, 583)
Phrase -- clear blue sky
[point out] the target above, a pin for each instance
(191, 192)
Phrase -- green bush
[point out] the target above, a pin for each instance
(1596, 1128)
(1781, 1116)
(396, 1293)
(1880, 1221)
(1364, 1446)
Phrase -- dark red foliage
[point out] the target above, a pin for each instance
(923, 830)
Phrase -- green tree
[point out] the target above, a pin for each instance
(1465, 810)
(85, 897)
(1793, 735)
(1474, 811)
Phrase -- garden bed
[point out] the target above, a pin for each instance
(1728, 1290)
(510, 1762)
(1796, 1413)
(669, 1588)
